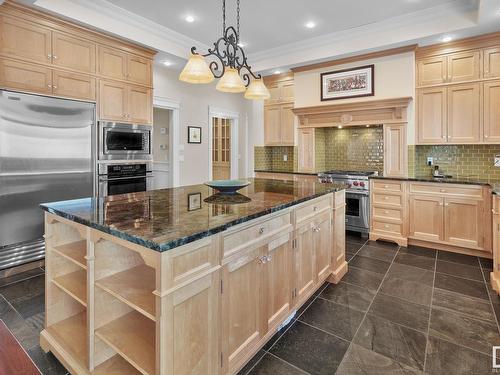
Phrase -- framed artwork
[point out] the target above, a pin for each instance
(194, 201)
(348, 83)
(194, 134)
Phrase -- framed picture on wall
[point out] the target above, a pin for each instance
(348, 83)
(194, 201)
(194, 134)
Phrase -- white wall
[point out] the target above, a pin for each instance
(195, 101)
(394, 77)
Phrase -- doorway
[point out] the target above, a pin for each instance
(221, 148)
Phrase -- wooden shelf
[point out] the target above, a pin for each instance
(72, 335)
(116, 365)
(74, 251)
(134, 287)
(75, 284)
(133, 337)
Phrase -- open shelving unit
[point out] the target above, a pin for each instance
(75, 284)
(74, 251)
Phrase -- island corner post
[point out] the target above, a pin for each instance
(203, 306)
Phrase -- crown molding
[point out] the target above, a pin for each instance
(461, 13)
(365, 105)
(106, 16)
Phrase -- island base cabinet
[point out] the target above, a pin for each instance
(495, 273)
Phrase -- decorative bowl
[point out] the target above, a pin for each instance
(227, 199)
(227, 186)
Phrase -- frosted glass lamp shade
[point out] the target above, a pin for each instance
(231, 81)
(257, 90)
(196, 71)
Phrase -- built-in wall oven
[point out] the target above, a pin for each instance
(119, 141)
(124, 178)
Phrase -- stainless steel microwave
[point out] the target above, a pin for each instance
(119, 141)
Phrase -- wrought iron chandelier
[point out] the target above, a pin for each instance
(228, 62)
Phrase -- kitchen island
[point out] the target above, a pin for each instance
(185, 281)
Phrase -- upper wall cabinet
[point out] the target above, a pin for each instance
(73, 53)
(281, 90)
(117, 64)
(458, 92)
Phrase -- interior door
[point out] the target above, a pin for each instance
(221, 148)
(277, 273)
(242, 319)
(462, 222)
(426, 217)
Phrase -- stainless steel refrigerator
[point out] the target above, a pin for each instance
(47, 151)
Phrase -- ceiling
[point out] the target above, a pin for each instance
(267, 24)
(274, 31)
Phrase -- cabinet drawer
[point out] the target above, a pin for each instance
(445, 189)
(311, 208)
(238, 239)
(380, 226)
(392, 186)
(387, 199)
(387, 213)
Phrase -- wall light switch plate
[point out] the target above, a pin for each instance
(163, 130)
(497, 161)
(163, 147)
(285, 157)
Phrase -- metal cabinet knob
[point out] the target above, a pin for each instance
(49, 86)
(55, 57)
(486, 136)
(49, 56)
(443, 190)
(386, 225)
(54, 87)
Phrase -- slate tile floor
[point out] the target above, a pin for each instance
(397, 311)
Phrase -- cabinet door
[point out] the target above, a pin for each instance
(272, 125)
(287, 125)
(304, 263)
(112, 63)
(139, 107)
(306, 150)
(274, 92)
(242, 320)
(463, 66)
(491, 111)
(432, 71)
(463, 222)
(192, 312)
(112, 101)
(25, 77)
(139, 70)
(426, 217)
(431, 125)
(395, 150)
(78, 86)
(491, 63)
(463, 114)
(25, 40)
(276, 286)
(287, 91)
(73, 53)
(322, 246)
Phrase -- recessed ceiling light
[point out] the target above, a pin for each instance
(189, 19)
(340, 126)
(310, 25)
(367, 126)
(277, 72)
(446, 39)
(166, 63)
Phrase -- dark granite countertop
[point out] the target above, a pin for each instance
(299, 173)
(465, 180)
(162, 219)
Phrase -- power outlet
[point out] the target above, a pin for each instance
(430, 161)
(285, 157)
(497, 161)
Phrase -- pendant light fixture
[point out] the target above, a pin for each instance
(228, 63)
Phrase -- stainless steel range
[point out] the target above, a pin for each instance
(357, 214)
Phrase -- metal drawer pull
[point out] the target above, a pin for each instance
(49, 56)
(386, 225)
(269, 258)
(261, 230)
(317, 229)
(55, 57)
(443, 190)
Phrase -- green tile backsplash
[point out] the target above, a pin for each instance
(270, 158)
(458, 160)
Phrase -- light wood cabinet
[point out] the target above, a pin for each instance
(432, 71)
(73, 85)
(463, 66)
(112, 63)
(272, 125)
(25, 40)
(426, 218)
(287, 91)
(322, 246)
(491, 62)
(495, 274)
(25, 77)
(462, 221)
(304, 263)
(395, 151)
(463, 113)
(287, 125)
(491, 111)
(306, 150)
(281, 89)
(73, 53)
(139, 70)
(122, 102)
(432, 115)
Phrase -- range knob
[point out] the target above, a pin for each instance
(362, 184)
(355, 183)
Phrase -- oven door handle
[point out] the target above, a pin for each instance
(365, 193)
(105, 179)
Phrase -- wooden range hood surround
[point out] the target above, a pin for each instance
(390, 113)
